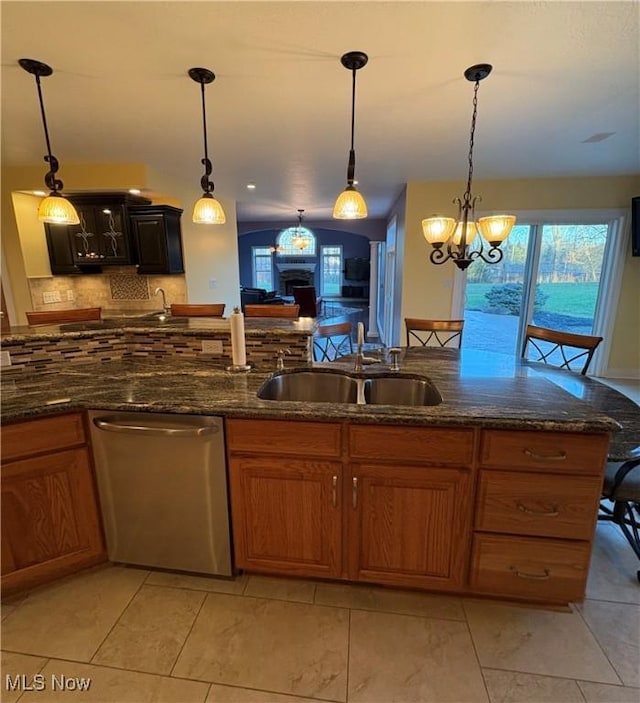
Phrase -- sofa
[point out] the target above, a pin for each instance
(259, 296)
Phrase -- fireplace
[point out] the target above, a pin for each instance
(291, 275)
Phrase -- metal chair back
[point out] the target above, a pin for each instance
(428, 333)
(564, 350)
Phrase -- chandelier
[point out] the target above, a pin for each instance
(459, 234)
(300, 237)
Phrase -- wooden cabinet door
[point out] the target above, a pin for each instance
(409, 525)
(85, 238)
(286, 515)
(157, 239)
(50, 523)
(112, 233)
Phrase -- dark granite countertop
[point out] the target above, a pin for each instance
(254, 327)
(477, 390)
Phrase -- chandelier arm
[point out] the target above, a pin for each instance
(438, 256)
(492, 256)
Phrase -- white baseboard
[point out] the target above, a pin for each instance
(621, 373)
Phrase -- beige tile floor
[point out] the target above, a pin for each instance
(142, 636)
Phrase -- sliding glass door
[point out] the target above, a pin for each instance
(558, 275)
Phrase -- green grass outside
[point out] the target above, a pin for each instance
(577, 299)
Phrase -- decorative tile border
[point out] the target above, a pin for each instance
(49, 354)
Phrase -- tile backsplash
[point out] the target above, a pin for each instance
(120, 289)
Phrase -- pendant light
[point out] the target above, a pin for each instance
(300, 238)
(459, 234)
(55, 208)
(350, 204)
(207, 210)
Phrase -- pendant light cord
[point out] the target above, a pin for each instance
(54, 184)
(467, 195)
(351, 168)
(207, 185)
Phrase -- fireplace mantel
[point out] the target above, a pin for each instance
(296, 267)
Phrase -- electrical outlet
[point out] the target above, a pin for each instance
(70, 295)
(5, 358)
(211, 346)
(52, 297)
(213, 283)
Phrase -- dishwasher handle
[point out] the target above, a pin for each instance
(109, 425)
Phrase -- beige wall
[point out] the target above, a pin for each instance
(427, 288)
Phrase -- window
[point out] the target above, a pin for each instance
(287, 247)
(331, 270)
(262, 267)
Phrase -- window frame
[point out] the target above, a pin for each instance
(254, 271)
(324, 247)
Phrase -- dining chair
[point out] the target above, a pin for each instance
(54, 317)
(332, 341)
(308, 300)
(620, 502)
(197, 310)
(290, 312)
(428, 333)
(555, 348)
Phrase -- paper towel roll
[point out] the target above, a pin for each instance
(238, 350)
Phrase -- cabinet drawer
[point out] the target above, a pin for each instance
(530, 567)
(284, 437)
(41, 435)
(419, 444)
(538, 504)
(560, 452)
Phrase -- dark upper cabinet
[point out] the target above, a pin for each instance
(156, 238)
(102, 237)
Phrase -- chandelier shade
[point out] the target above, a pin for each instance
(207, 210)
(55, 208)
(459, 234)
(350, 205)
(496, 228)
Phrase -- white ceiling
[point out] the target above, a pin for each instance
(279, 109)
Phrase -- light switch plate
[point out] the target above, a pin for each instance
(211, 346)
(70, 295)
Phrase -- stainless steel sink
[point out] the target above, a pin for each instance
(400, 390)
(310, 387)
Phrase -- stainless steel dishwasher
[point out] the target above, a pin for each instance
(162, 484)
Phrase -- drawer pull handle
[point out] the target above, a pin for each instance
(560, 456)
(539, 513)
(535, 577)
(354, 493)
(334, 491)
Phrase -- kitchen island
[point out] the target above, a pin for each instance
(493, 491)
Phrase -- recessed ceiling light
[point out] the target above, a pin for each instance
(39, 193)
(134, 191)
(251, 186)
(599, 137)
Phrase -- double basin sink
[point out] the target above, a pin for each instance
(324, 386)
